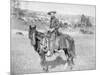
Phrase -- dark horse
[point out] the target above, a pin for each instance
(56, 41)
(36, 39)
(59, 41)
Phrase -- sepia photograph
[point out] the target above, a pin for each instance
(51, 37)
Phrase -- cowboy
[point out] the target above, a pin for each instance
(54, 22)
(54, 26)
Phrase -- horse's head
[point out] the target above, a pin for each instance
(32, 34)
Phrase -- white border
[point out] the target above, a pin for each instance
(5, 35)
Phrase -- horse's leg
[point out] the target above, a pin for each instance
(66, 53)
(73, 61)
(43, 62)
(69, 59)
(72, 52)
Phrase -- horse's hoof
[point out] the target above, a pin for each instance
(71, 68)
(66, 65)
(45, 70)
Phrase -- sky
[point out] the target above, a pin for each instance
(71, 9)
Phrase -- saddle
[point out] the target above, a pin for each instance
(48, 42)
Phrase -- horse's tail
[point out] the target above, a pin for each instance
(71, 48)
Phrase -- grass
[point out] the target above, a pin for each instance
(25, 60)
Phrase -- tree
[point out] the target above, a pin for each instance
(88, 23)
(83, 20)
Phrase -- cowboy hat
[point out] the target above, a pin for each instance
(49, 13)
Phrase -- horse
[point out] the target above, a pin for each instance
(59, 41)
(37, 41)
(55, 41)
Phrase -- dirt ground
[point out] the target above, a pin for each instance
(25, 60)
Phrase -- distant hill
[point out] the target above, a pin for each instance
(41, 19)
(67, 18)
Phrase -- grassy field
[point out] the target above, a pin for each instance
(25, 60)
